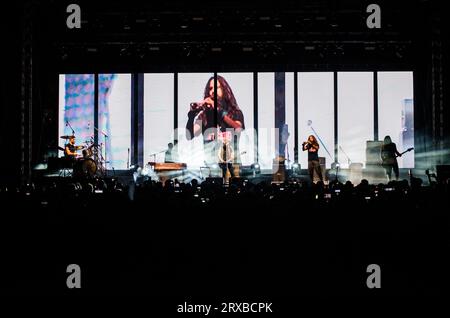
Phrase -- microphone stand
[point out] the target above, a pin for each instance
(348, 159)
(68, 124)
(106, 149)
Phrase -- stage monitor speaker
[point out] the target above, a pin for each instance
(246, 171)
(443, 173)
(373, 152)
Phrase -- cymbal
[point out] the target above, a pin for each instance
(67, 136)
(61, 148)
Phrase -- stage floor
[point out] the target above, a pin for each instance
(133, 176)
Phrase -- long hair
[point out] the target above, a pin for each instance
(228, 101)
(315, 143)
(387, 140)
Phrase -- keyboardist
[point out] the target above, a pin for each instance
(169, 156)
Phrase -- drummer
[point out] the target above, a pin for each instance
(70, 150)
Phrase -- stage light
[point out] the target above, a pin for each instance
(335, 165)
(256, 168)
(40, 166)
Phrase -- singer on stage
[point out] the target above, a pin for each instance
(168, 156)
(201, 116)
(312, 146)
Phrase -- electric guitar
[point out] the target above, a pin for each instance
(408, 150)
(388, 160)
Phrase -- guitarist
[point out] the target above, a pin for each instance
(389, 154)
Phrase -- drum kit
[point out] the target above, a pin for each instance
(91, 163)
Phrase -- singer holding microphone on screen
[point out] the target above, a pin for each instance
(312, 146)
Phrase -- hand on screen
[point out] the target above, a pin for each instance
(208, 103)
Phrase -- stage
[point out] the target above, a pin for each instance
(137, 175)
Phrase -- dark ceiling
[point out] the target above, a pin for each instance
(122, 35)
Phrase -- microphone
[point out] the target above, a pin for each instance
(309, 122)
(199, 106)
